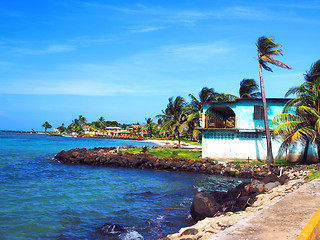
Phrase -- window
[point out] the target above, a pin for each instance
(258, 112)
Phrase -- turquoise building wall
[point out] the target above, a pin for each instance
(247, 140)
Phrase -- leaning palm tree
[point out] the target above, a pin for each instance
(267, 49)
(298, 129)
(249, 88)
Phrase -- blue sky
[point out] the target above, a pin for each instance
(123, 59)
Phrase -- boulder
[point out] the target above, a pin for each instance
(111, 229)
(270, 185)
(255, 186)
(204, 205)
(270, 178)
(283, 179)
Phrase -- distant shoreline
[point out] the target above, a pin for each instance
(160, 142)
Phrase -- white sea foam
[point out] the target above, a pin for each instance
(132, 235)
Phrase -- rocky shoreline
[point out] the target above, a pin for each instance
(214, 211)
(114, 157)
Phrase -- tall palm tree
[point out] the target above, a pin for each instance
(249, 88)
(46, 125)
(267, 49)
(300, 129)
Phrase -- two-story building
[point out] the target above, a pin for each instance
(235, 129)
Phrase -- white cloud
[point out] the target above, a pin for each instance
(147, 29)
(198, 51)
(51, 49)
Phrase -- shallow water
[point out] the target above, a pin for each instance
(43, 199)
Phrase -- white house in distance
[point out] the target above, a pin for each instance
(243, 139)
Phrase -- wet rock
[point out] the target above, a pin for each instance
(111, 229)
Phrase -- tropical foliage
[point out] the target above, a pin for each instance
(302, 128)
(267, 49)
(298, 130)
(46, 125)
(173, 117)
(249, 88)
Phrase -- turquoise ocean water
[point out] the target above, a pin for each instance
(43, 199)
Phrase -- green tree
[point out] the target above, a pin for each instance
(299, 129)
(173, 117)
(307, 93)
(249, 88)
(46, 125)
(267, 49)
(82, 120)
(62, 128)
(149, 126)
(75, 127)
(205, 95)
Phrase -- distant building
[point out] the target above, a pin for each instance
(124, 134)
(113, 131)
(235, 129)
(87, 129)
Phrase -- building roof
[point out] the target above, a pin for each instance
(109, 128)
(249, 99)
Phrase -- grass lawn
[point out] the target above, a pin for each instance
(169, 153)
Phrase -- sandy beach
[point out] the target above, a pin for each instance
(173, 143)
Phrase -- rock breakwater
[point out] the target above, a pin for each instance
(114, 157)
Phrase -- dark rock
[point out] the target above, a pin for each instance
(270, 178)
(111, 229)
(190, 231)
(204, 205)
(283, 179)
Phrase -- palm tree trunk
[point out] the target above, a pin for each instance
(318, 149)
(265, 118)
(305, 153)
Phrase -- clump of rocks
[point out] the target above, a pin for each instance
(204, 229)
(115, 157)
(209, 204)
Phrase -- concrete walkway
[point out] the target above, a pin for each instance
(283, 220)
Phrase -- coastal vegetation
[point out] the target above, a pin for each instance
(46, 125)
(167, 153)
(302, 128)
(267, 49)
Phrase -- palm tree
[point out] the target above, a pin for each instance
(308, 92)
(249, 88)
(149, 127)
(267, 49)
(82, 120)
(173, 117)
(300, 129)
(46, 125)
(205, 95)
